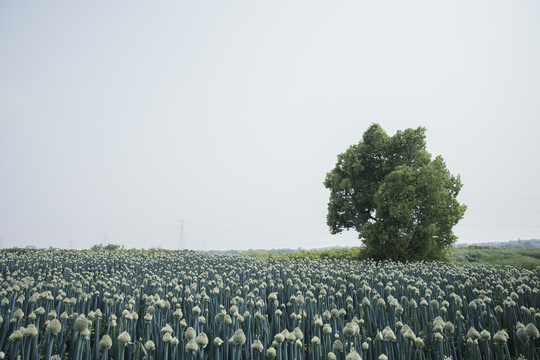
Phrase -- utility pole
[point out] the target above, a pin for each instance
(181, 243)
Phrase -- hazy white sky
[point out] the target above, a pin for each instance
(122, 117)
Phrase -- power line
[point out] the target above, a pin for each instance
(505, 200)
(500, 226)
(255, 229)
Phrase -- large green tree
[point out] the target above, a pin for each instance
(401, 202)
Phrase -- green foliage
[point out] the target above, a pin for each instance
(401, 202)
(355, 253)
(108, 247)
(486, 255)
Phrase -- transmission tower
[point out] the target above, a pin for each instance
(181, 242)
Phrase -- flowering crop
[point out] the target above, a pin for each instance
(184, 305)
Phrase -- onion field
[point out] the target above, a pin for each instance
(97, 305)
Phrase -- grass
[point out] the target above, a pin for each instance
(485, 255)
(258, 254)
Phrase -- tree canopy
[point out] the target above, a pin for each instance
(401, 202)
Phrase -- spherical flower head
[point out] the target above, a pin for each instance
(18, 314)
(353, 355)
(501, 337)
(532, 331)
(298, 333)
(72, 318)
(192, 346)
(351, 329)
(124, 338)
(17, 335)
(331, 356)
(448, 327)
(167, 337)
(486, 335)
(438, 336)
(389, 335)
(218, 341)
(365, 345)
(521, 335)
(409, 335)
(327, 329)
(196, 310)
(337, 346)
(54, 327)
(365, 302)
(257, 346)
(105, 342)
(473, 334)
(219, 317)
(438, 321)
(334, 313)
(80, 324)
(190, 334)
(239, 338)
(64, 316)
(31, 331)
(419, 342)
(149, 345)
(85, 333)
(166, 329)
(326, 315)
(202, 340)
(315, 340)
(271, 353)
(178, 314)
(404, 329)
(383, 357)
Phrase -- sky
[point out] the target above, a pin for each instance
(133, 121)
